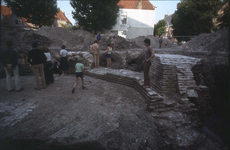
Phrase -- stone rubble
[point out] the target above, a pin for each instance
(213, 42)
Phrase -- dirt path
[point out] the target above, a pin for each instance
(105, 116)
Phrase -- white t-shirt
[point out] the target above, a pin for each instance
(113, 41)
(48, 56)
(63, 52)
(110, 50)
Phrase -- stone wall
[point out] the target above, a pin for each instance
(163, 77)
(156, 75)
(173, 75)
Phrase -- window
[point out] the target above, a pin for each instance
(18, 22)
(2, 17)
(123, 32)
(68, 24)
(123, 18)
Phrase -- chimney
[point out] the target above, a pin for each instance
(139, 5)
(166, 15)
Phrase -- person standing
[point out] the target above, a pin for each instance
(160, 42)
(79, 72)
(36, 58)
(108, 56)
(64, 66)
(113, 42)
(94, 48)
(48, 66)
(149, 54)
(98, 37)
(10, 63)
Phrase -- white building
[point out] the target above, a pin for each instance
(135, 18)
(169, 29)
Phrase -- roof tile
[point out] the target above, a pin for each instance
(133, 4)
(61, 15)
(6, 12)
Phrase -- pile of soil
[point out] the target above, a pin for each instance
(80, 39)
(121, 43)
(154, 42)
(217, 41)
(73, 39)
(22, 39)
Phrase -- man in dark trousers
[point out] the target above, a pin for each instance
(149, 54)
(160, 42)
(36, 58)
(10, 63)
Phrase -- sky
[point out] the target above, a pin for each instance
(163, 7)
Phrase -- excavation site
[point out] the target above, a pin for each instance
(185, 107)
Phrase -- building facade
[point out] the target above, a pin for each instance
(169, 29)
(135, 18)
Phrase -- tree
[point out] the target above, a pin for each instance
(160, 28)
(39, 12)
(194, 17)
(95, 14)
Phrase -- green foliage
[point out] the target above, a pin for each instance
(95, 14)
(194, 17)
(38, 12)
(160, 28)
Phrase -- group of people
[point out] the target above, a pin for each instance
(95, 50)
(39, 59)
(149, 54)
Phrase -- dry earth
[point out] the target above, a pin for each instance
(104, 116)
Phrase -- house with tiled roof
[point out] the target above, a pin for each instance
(9, 18)
(61, 19)
(135, 18)
(169, 29)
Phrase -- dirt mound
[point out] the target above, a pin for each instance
(154, 41)
(73, 39)
(22, 39)
(217, 41)
(121, 43)
(80, 39)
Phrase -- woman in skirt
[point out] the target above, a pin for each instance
(64, 66)
(48, 66)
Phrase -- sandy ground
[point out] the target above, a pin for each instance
(103, 116)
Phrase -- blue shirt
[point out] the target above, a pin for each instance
(98, 37)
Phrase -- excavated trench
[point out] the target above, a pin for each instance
(178, 101)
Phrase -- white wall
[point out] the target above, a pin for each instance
(139, 22)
